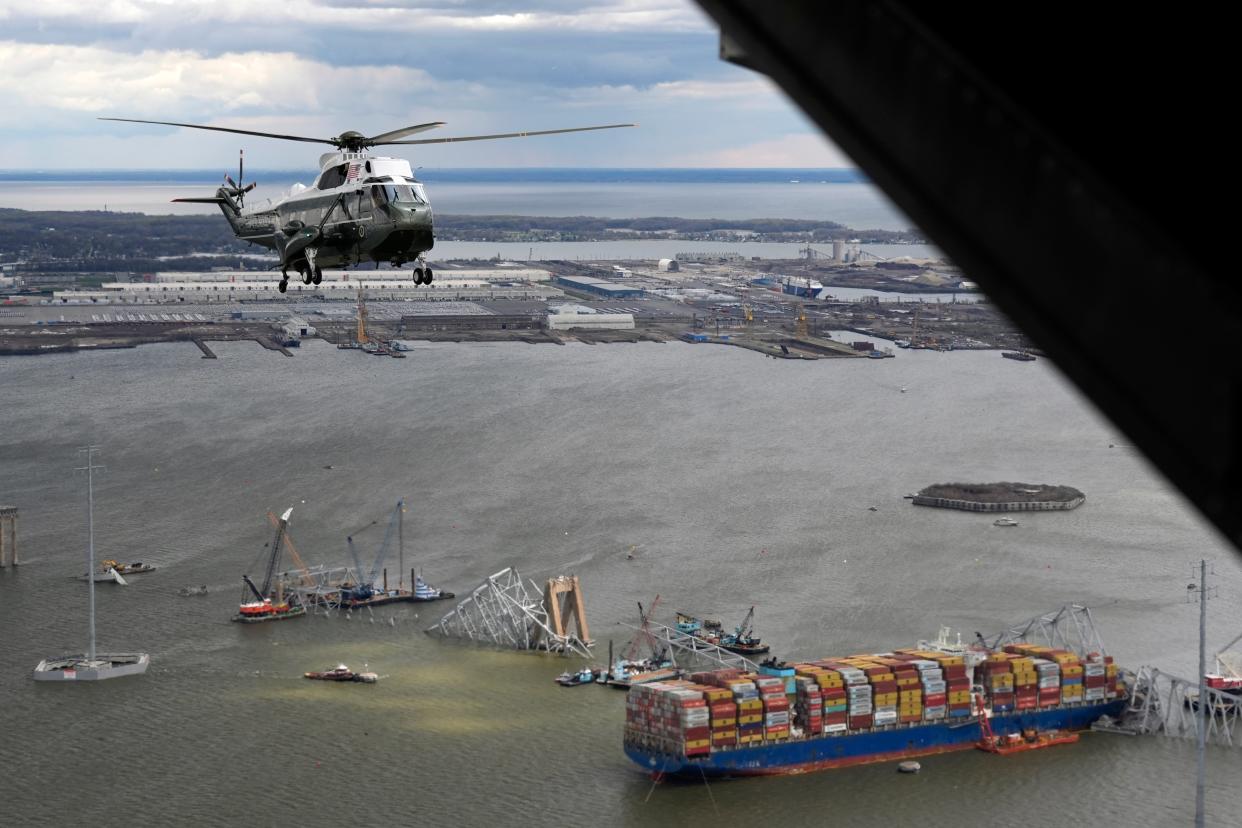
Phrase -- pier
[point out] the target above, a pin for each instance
(8, 529)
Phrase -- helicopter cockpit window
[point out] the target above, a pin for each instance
(401, 194)
(333, 177)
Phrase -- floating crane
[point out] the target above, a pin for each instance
(268, 606)
(365, 588)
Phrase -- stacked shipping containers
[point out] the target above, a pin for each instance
(727, 708)
(809, 705)
(674, 719)
(775, 707)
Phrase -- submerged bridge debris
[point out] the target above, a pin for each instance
(507, 611)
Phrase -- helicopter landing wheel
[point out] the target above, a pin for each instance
(418, 275)
(317, 277)
(306, 277)
(283, 285)
(426, 275)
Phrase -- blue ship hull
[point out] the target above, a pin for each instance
(902, 742)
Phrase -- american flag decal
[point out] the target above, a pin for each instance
(353, 171)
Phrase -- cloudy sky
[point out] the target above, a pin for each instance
(320, 67)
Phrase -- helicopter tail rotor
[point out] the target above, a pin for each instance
(236, 189)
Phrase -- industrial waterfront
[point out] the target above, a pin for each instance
(712, 476)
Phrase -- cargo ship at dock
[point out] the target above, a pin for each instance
(862, 709)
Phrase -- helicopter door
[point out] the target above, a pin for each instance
(360, 206)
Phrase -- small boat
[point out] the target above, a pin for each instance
(1005, 521)
(105, 576)
(128, 568)
(342, 673)
(586, 675)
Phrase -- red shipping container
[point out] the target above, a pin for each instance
(835, 718)
(1095, 681)
(884, 687)
(859, 722)
(910, 717)
(1024, 704)
(935, 699)
(954, 671)
(692, 734)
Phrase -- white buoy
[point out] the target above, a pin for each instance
(909, 767)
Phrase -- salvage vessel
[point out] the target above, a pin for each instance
(270, 603)
(860, 709)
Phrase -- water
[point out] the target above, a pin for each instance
(740, 479)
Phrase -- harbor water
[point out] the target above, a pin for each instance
(732, 478)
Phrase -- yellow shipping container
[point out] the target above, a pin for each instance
(698, 743)
(950, 661)
(750, 719)
(882, 699)
(1071, 670)
(1110, 670)
(906, 682)
(724, 721)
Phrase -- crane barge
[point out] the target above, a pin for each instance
(269, 604)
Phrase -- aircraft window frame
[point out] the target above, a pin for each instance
(401, 194)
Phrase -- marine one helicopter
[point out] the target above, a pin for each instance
(360, 208)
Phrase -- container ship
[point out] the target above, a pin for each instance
(860, 709)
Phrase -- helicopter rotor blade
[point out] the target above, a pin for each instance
(503, 135)
(228, 129)
(386, 137)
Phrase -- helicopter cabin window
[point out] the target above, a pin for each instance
(333, 177)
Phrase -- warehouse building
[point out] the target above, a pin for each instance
(599, 287)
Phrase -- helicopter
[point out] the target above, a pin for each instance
(360, 208)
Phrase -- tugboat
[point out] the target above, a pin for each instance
(586, 675)
(269, 606)
(342, 673)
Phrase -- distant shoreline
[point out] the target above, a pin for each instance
(489, 175)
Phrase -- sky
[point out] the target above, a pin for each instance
(322, 67)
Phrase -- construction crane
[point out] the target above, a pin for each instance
(287, 539)
(644, 631)
(362, 317)
(749, 314)
(276, 545)
(800, 329)
(365, 588)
